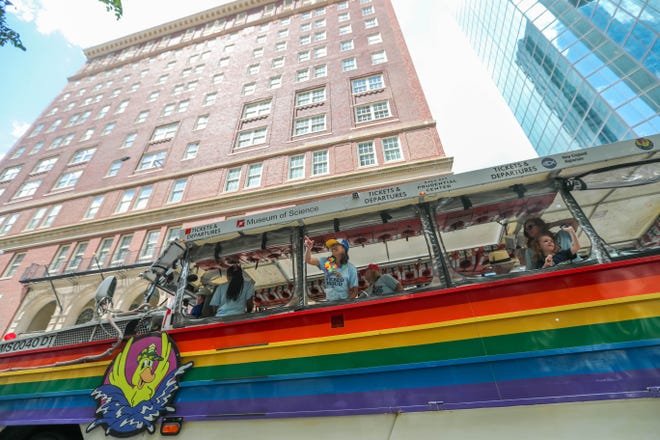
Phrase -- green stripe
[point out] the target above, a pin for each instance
(586, 335)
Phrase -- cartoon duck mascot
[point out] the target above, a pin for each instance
(126, 407)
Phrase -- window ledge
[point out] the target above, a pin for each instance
(369, 92)
(312, 105)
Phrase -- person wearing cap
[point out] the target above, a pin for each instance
(381, 284)
(341, 278)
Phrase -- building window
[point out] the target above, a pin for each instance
(125, 201)
(372, 112)
(233, 178)
(37, 217)
(6, 225)
(82, 156)
(44, 165)
(49, 219)
(178, 89)
(320, 52)
(115, 166)
(253, 178)
(304, 56)
(27, 189)
(191, 151)
(392, 149)
(174, 233)
(129, 140)
(54, 126)
(310, 96)
(94, 207)
(258, 52)
(282, 33)
(367, 10)
(252, 137)
(255, 109)
(280, 46)
(348, 64)
(201, 122)
(152, 160)
(346, 45)
(143, 197)
(164, 132)
(275, 82)
(149, 246)
(374, 38)
(302, 75)
(10, 173)
(134, 87)
(168, 109)
(373, 82)
(297, 167)
(162, 79)
(121, 108)
(345, 30)
(68, 180)
(218, 78)
(37, 148)
(142, 116)
(342, 5)
(87, 135)
(366, 154)
(13, 265)
(305, 27)
(249, 88)
(108, 128)
(305, 39)
(277, 62)
(370, 23)
(176, 194)
(121, 253)
(320, 71)
(104, 110)
(60, 257)
(311, 124)
(183, 105)
(344, 16)
(76, 257)
(37, 130)
(153, 96)
(320, 23)
(209, 99)
(261, 39)
(320, 163)
(102, 253)
(378, 57)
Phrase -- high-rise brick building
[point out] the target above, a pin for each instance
(248, 106)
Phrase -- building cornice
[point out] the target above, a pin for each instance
(173, 26)
(239, 159)
(234, 204)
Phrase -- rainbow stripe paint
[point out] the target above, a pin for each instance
(580, 334)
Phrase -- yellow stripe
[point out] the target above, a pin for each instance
(597, 312)
(542, 319)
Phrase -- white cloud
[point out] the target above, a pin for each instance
(23, 9)
(18, 128)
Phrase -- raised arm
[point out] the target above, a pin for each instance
(575, 243)
(309, 244)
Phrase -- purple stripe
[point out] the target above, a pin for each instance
(631, 384)
(618, 385)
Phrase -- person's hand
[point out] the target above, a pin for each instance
(548, 261)
(309, 243)
(568, 228)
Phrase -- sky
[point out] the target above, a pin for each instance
(475, 125)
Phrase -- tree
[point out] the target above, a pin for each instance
(8, 35)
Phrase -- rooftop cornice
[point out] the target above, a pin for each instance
(173, 26)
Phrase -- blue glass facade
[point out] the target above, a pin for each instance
(576, 73)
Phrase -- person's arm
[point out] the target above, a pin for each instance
(353, 290)
(564, 222)
(309, 244)
(393, 283)
(575, 243)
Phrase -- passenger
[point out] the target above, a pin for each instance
(196, 311)
(379, 283)
(533, 229)
(341, 280)
(235, 296)
(552, 253)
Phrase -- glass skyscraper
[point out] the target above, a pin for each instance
(576, 73)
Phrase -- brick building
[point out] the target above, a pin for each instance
(248, 106)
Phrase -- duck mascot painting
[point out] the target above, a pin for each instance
(139, 386)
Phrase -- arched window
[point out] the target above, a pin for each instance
(87, 313)
(42, 318)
